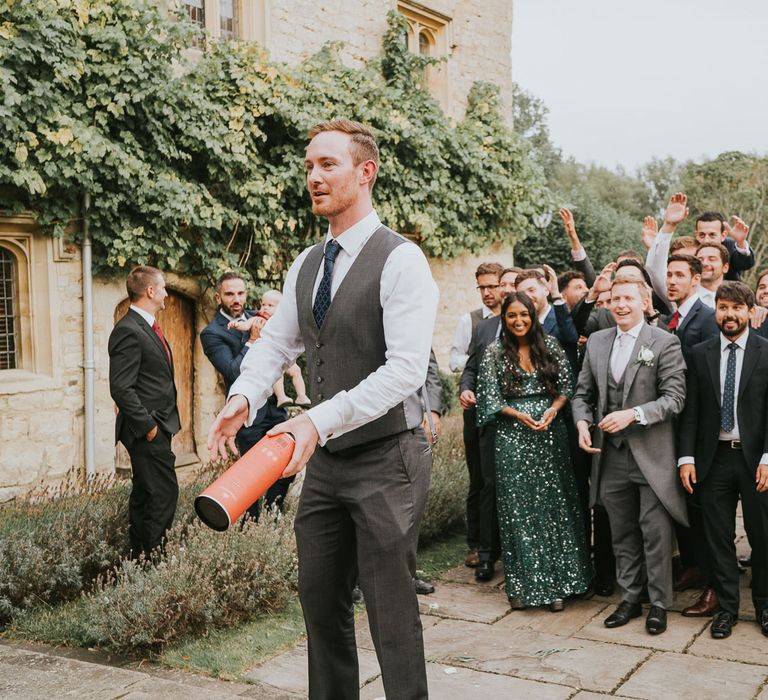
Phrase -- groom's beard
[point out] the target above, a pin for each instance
(731, 333)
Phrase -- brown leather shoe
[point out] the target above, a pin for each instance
(689, 578)
(473, 559)
(705, 606)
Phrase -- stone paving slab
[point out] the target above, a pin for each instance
(466, 684)
(288, 671)
(473, 603)
(668, 675)
(576, 615)
(465, 574)
(537, 656)
(363, 631)
(587, 695)
(746, 644)
(681, 631)
(33, 675)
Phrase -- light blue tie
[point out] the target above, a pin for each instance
(727, 422)
(323, 297)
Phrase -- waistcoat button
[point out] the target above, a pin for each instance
(319, 379)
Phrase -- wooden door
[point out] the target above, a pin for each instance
(178, 324)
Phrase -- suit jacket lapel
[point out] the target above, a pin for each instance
(751, 356)
(690, 316)
(643, 339)
(713, 363)
(155, 339)
(603, 367)
(550, 322)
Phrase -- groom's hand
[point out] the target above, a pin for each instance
(761, 478)
(585, 438)
(688, 476)
(617, 421)
(305, 435)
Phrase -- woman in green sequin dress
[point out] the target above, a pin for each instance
(524, 382)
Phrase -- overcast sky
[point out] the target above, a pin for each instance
(625, 81)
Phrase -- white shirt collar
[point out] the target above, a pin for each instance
(148, 317)
(545, 313)
(356, 235)
(634, 331)
(487, 313)
(741, 342)
(230, 318)
(686, 306)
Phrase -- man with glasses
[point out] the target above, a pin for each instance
(487, 277)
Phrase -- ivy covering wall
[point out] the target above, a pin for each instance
(199, 167)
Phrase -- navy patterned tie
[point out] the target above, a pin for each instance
(729, 390)
(323, 297)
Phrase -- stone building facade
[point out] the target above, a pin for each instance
(41, 300)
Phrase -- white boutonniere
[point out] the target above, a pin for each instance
(645, 356)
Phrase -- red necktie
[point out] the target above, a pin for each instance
(672, 325)
(159, 333)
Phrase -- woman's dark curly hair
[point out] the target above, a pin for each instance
(542, 358)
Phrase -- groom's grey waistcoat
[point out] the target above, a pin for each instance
(350, 345)
(615, 401)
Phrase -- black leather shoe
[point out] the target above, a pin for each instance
(484, 571)
(422, 587)
(722, 625)
(762, 620)
(623, 614)
(656, 622)
(604, 588)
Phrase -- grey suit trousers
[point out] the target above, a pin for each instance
(359, 517)
(641, 528)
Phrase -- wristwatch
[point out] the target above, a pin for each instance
(638, 415)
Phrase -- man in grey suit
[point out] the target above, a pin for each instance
(630, 387)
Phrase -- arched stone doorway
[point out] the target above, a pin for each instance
(178, 324)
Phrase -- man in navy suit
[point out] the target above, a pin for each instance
(693, 322)
(142, 386)
(555, 317)
(226, 340)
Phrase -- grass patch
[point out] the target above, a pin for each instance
(436, 558)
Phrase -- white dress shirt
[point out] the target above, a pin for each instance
(707, 296)
(230, 318)
(461, 340)
(685, 308)
(621, 353)
(724, 352)
(408, 296)
(148, 317)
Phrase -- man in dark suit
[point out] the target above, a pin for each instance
(723, 449)
(141, 384)
(226, 340)
(693, 322)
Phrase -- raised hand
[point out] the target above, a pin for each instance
(570, 227)
(602, 282)
(677, 211)
(551, 277)
(738, 230)
(650, 229)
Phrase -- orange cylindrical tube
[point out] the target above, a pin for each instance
(247, 480)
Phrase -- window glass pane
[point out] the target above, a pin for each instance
(424, 44)
(8, 320)
(228, 19)
(195, 9)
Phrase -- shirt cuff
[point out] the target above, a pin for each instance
(324, 417)
(579, 255)
(687, 460)
(641, 413)
(764, 458)
(558, 301)
(744, 250)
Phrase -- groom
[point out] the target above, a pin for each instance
(630, 387)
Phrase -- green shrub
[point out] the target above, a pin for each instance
(450, 384)
(54, 544)
(448, 490)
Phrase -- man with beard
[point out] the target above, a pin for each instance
(723, 448)
(226, 340)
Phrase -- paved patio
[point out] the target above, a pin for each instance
(476, 647)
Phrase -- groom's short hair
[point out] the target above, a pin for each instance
(736, 292)
(643, 289)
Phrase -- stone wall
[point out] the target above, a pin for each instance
(481, 34)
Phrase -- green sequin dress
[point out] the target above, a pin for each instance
(543, 543)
